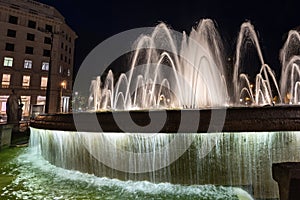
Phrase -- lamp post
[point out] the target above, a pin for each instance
(47, 103)
(49, 76)
(63, 85)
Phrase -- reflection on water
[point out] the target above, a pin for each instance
(26, 175)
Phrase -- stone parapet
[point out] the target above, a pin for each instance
(232, 119)
(5, 135)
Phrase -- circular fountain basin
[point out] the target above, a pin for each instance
(233, 119)
(242, 159)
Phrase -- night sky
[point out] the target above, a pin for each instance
(95, 21)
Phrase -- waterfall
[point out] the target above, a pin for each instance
(231, 159)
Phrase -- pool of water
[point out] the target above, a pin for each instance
(24, 174)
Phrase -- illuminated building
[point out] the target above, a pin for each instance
(33, 38)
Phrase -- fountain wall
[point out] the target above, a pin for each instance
(241, 157)
(235, 159)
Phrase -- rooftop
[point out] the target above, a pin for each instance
(33, 7)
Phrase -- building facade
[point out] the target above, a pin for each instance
(36, 44)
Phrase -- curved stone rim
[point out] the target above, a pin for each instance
(238, 119)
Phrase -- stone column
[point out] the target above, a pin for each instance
(288, 177)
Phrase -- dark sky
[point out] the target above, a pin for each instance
(95, 21)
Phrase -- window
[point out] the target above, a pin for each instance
(31, 24)
(29, 50)
(13, 19)
(45, 66)
(41, 100)
(5, 80)
(69, 72)
(48, 28)
(3, 99)
(8, 62)
(30, 36)
(9, 47)
(60, 69)
(69, 61)
(46, 53)
(26, 102)
(27, 64)
(66, 48)
(70, 50)
(65, 58)
(70, 39)
(26, 81)
(44, 81)
(11, 33)
(61, 57)
(62, 45)
(47, 40)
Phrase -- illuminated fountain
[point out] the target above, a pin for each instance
(197, 76)
(263, 93)
(177, 91)
(195, 79)
(290, 72)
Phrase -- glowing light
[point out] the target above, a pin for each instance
(63, 84)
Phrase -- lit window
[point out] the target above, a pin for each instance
(69, 72)
(41, 100)
(45, 66)
(3, 99)
(3, 106)
(27, 64)
(5, 80)
(26, 81)
(60, 69)
(8, 62)
(26, 103)
(44, 81)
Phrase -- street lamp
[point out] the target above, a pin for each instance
(49, 77)
(63, 85)
(47, 103)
